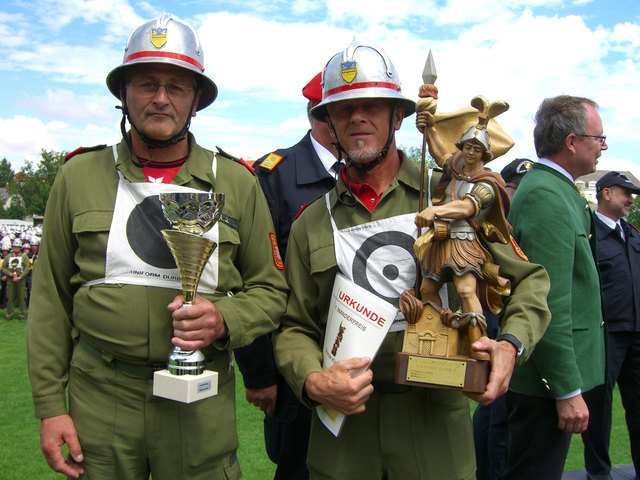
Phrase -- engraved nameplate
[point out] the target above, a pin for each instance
(436, 371)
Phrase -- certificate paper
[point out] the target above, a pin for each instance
(357, 323)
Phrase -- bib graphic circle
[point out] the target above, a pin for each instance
(386, 265)
(143, 234)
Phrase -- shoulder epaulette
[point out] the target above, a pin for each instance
(241, 161)
(79, 150)
(633, 226)
(302, 208)
(271, 161)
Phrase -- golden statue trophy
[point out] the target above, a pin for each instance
(191, 215)
(469, 209)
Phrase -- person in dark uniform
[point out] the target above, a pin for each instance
(490, 421)
(619, 264)
(290, 178)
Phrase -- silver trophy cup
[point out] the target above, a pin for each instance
(191, 215)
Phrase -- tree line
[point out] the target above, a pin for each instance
(29, 188)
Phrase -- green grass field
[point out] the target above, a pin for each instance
(20, 456)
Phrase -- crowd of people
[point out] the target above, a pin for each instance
(341, 202)
(18, 254)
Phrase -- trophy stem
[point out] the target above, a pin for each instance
(188, 297)
(185, 362)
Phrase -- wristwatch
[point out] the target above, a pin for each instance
(507, 337)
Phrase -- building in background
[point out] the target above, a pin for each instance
(587, 184)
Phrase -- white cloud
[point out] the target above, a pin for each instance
(502, 61)
(356, 15)
(25, 137)
(269, 59)
(262, 57)
(118, 16)
(68, 105)
(303, 7)
(626, 38)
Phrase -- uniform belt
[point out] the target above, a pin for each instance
(390, 387)
(139, 371)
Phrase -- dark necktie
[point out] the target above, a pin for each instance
(619, 231)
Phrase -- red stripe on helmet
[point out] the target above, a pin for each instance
(355, 86)
(177, 56)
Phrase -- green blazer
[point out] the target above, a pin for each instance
(554, 226)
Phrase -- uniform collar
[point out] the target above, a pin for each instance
(605, 228)
(554, 166)
(327, 159)
(197, 166)
(556, 170)
(609, 222)
(310, 166)
(408, 174)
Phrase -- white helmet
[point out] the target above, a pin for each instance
(165, 40)
(362, 70)
(17, 242)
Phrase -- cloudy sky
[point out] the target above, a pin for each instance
(55, 55)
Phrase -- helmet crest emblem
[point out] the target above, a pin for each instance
(158, 37)
(349, 71)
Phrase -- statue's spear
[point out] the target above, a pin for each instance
(429, 76)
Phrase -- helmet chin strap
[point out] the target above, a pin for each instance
(150, 142)
(362, 168)
(379, 158)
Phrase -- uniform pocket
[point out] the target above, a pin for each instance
(92, 221)
(92, 404)
(208, 430)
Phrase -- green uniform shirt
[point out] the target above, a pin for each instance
(311, 270)
(131, 322)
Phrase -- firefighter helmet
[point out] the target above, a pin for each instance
(362, 70)
(165, 40)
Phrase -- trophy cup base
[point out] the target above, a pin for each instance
(185, 388)
(458, 373)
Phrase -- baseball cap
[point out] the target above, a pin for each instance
(313, 90)
(515, 170)
(611, 179)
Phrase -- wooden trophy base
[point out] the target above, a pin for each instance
(458, 373)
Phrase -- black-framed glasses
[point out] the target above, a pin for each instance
(601, 138)
(149, 88)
